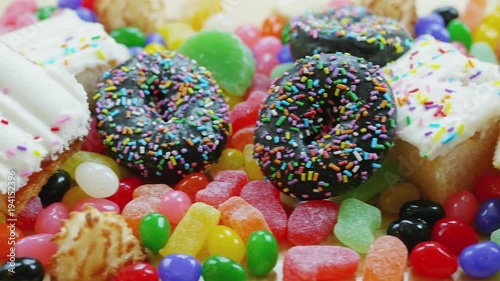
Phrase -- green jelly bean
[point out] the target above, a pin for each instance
(45, 12)
(460, 32)
(219, 268)
(154, 231)
(262, 252)
(495, 236)
(280, 69)
(129, 36)
(285, 34)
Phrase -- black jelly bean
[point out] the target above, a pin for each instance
(55, 188)
(447, 13)
(22, 269)
(410, 231)
(428, 211)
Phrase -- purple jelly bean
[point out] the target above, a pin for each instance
(481, 260)
(155, 38)
(488, 216)
(70, 4)
(424, 22)
(86, 14)
(135, 51)
(179, 267)
(439, 32)
(285, 54)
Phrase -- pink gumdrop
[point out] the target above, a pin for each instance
(311, 222)
(460, 47)
(248, 33)
(461, 206)
(266, 63)
(103, 205)
(174, 206)
(49, 219)
(38, 246)
(267, 44)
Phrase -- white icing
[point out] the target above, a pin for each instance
(426, 73)
(41, 111)
(67, 41)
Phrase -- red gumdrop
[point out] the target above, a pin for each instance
(246, 114)
(93, 142)
(235, 177)
(216, 193)
(125, 191)
(242, 137)
(455, 235)
(138, 272)
(462, 206)
(248, 33)
(260, 82)
(310, 223)
(273, 26)
(27, 217)
(266, 198)
(266, 62)
(431, 259)
(487, 187)
(191, 184)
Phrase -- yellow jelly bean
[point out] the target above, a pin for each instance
(488, 34)
(73, 196)
(175, 33)
(223, 241)
(154, 48)
(393, 198)
(200, 10)
(251, 166)
(230, 159)
(3, 218)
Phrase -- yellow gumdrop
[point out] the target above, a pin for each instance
(230, 159)
(232, 100)
(154, 48)
(3, 218)
(198, 11)
(175, 33)
(488, 34)
(223, 241)
(251, 166)
(73, 196)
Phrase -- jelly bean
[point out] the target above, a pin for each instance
(39, 246)
(492, 19)
(488, 34)
(73, 196)
(86, 14)
(483, 52)
(386, 260)
(134, 51)
(230, 159)
(495, 236)
(179, 267)
(97, 180)
(462, 206)
(151, 190)
(487, 186)
(448, 13)
(22, 269)
(320, 263)
(431, 259)
(89, 4)
(280, 70)
(138, 272)
(139, 207)
(69, 4)
(154, 48)
(218, 268)
(55, 188)
(242, 138)
(49, 220)
(191, 233)
(191, 184)
(83, 156)
(285, 34)
(285, 54)
(393, 198)
(488, 216)
(45, 12)
(423, 23)
(125, 191)
(155, 37)
(438, 31)
(410, 231)
(242, 217)
(154, 231)
(454, 234)
(262, 252)
(460, 32)
(174, 205)
(248, 33)
(474, 13)
(229, 59)
(27, 217)
(481, 260)
(273, 25)
(425, 210)
(129, 36)
(311, 222)
(102, 205)
(356, 223)
(252, 168)
(246, 113)
(223, 241)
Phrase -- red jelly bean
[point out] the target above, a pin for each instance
(138, 272)
(431, 259)
(125, 191)
(487, 187)
(462, 206)
(273, 25)
(454, 235)
(27, 218)
(191, 184)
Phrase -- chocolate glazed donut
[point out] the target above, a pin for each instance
(326, 126)
(162, 115)
(352, 30)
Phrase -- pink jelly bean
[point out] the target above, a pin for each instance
(248, 33)
(38, 246)
(102, 205)
(27, 218)
(461, 206)
(174, 205)
(49, 219)
(266, 63)
(263, 196)
(311, 222)
(267, 45)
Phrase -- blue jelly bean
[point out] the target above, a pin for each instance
(423, 23)
(439, 32)
(488, 216)
(135, 51)
(155, 38)
(179, 267)
(86, 14)
(70, 4)
(481, 260)
(285, 54)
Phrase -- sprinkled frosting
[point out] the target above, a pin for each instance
(41, 112)
(326, 126)
(443, 97)
(162, 115)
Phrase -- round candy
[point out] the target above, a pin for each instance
(438, 31)
(262, 252)
(129, 36)
(82, 156)
(431, 259)
(424, 210)
(179, 267)
(55, 188)
(448, 13)
(191, 184)
(223, 241)
(73, 197)
(22, 269)
(154, 48)
(266, 62)
(174, 205)
(154, 231)
(70, 4)
(410, 231)
(267, 45)
(230, 159)
(483, 52)
(218, 268)
(125, 191)
(97, 180)
(49, 220)
(481, 260)
(495, 236)
(488, 34)
(285, 34)
(138, 272)
(134, 51)
(488, 216)
(333, 135)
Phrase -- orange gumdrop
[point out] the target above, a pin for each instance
(136, 209)
(386, 260)
(273, 25)
(191, 184)
(153, 190)
(474, 13)
(243, 137)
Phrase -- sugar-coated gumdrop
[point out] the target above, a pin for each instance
(49, 219)
(460, 32)
(83, 156)
(223, 241)
(280, 69)
(39, 246)
(320, 263)
(495, 236)
(242, 138)
(154, 231)
(174, 205)
(137, 272)
(125, 191)
(251, 166)
(461, 206)
(22, 269)
(311, 222)
(179, 267)
(235, 177)
(27, 217)
(154, 190)
(74, 195)
(230, 159)
(487, 186)
(55, 188)
(386, 260)
(455, 235)
(248, 33)
(448, 13)
(246, 113)
(474, 13)
(393, 198)
(410, 231)
(425, 210)
(484, 52)
(97, 180)
(488, 216)
(191, 233)
(154, 48)
(263, 196)
(262, 252)
(216, 193)
(481, 260)
(356, 223)
(423, 23)
(102, 205)
(273, 25)
(260, 82)
(229, 59)
(136, 209)
(232, 101)
(218, 268)
(191, 184)
(431, 259)
(242, 217)
(129, 36)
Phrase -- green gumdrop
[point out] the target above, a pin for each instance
(285, 34)
(483, 52)
(460, 32)
(280, 69)
(495, 236)
(154, 231)
(129, 36)
(262, 252)
(382, 179)
(226, 56)
(356, 223)
(45, 12)
(219, 268)
(83, 156)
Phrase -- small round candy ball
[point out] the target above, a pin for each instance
(174, 205)
(86, 14)
(155, 37)
(424, 22)
(97, 180)
(179, 267)
(285, 54)
(70, 4)
(22, 269)
(481, 260)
